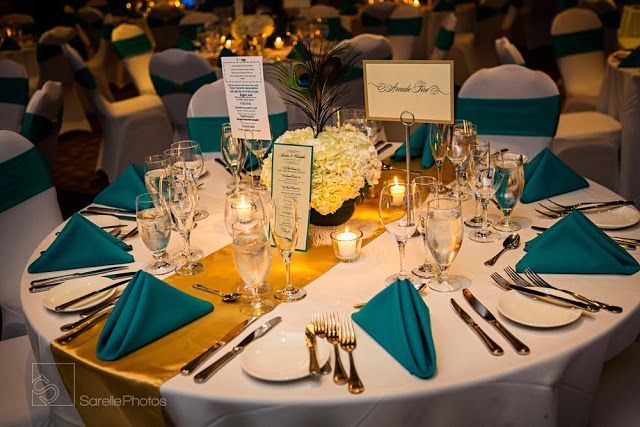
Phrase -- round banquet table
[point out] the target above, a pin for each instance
(553, 385)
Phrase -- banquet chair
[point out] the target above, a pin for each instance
(512, 106)
(14, 94)
(53, 66)
(132, 129)
(446, 37)
(90, 22)
(28, 212)
(176, 75)
(208, 110)
(373, 17)
(134, 48)
(403, 31)
(163, 21)
(41, 121)
(507, 52)
(578, 45)
(189, 27)
(331, 16)
(609, 15)
(105, 64)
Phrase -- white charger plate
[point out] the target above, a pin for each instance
(622, 217)
(535, 313)
(282, 356)
(75, 288)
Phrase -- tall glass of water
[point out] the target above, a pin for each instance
(509, 184)
(481, 175)
(154, 225)
(426, 190)
(463, 136)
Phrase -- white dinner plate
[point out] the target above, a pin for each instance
(77, 287)
(104, 220)
(622, 217)
(282, 356)
(532, 312)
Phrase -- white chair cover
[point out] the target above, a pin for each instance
(609, 15)
(534, 91)
(163, 21)
(14, 94)
(40, 124)
(403, 31)
(321, 11)
(373, 17)
(446, 37)
(134, 48)
(132, 129)
(578, 44)
(90, 21)
(53, 66)
(508, 53)
(24, 224)
(170, 70)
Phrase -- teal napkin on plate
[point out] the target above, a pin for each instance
(631, 61)
(419, 146)
(547, 176)
(147, 310)
(576, 245)
(398, 320)
(122, 192)
(81, 244)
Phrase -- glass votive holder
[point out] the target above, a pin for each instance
(347, 244)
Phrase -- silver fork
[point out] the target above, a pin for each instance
(501, 281)
(537, 280)
(321, 331)
(333, 336)
(549, 215)
(348, 344)
(518, 280)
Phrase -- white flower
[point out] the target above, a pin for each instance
(344, 160)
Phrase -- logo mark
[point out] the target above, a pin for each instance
(45, 392)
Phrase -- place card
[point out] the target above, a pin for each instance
(424, 88)
(246, 98)
(291, 184)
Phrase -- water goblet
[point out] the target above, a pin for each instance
(477, 220)
(439, 135)
(258, 148)
(481, 173)
(426, 190)
(234, 154)
(463, 135)
(509, 184)
(154, 170)
(154, 225)
(191, 152)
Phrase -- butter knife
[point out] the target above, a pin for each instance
(520, 347)
(584, 306)
(494, 348)
(207, 372)
(198, 360)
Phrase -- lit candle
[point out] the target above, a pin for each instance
(244, 210)
(397, 191)
(416, 3)
(227, 44)
(278, 44)
(347, 244)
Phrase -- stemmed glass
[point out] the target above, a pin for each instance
(481, 174)
(259, 148)
(399, 221)
(464, 134)
(439, 135)
(426, 189)
(191, 153)
(284, 222)
(445, 232)
(154, 225)
(509, 186)
(234, 154)
(477, 220)
(154, 170)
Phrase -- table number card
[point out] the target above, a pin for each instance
(424, 88)
(246, 99)
(291, 183)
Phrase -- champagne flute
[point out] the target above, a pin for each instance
(398, 214)
(284, 222)
(445, 232)
(439, 135)
(509, 184)
(259, 148)
(481, 170)
(154, 225)
(234, 154)
(191, 152)
(426, 189)
(464, 134)
(477, 220)
(154, 170)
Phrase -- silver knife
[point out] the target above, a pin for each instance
(494, 348)
(584, 306)
(198, 360)
(112, 210)
(207, 372)
(75, 275)
(602, 205)
(520, 347)
(48, 285)
(71, 335)
(89, 212)
(89, 295)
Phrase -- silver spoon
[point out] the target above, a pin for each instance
(511, 242)
(225, 297)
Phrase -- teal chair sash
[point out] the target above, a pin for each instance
(166, 87)
(336, 30)
(444, 39)
(368, 20)
(579, 42)
(85, 79)
(22, 177)
(45, 52)
(14, 90)
(404, 26)
(518, 117)
(36, 127)
(132, 47)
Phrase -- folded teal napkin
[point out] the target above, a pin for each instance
(547, 176)
(122, 192)
(398, 320)
(147, 310)
(631, 61)
(576, 245)
(419, 146)
(81, 244)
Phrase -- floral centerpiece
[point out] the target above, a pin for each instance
(252, 26)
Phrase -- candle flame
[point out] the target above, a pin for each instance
(278, 39)
(346, 229)
(395, 180)
(242, 200)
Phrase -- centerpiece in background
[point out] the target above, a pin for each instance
(251, 32)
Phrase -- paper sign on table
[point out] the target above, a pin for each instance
(424, 88)
(291, 184)
(246, 99)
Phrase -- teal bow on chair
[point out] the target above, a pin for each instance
(22, 177)
(166, 87)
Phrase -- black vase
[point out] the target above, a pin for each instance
(342, 215)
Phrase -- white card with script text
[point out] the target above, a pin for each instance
(291, 184)
(424, 88)
(246, 99)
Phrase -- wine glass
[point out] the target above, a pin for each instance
(509, 184)
(191, 152)
(439, 135)
(426, 189)
(398, 214)
(477, 220)
(284, 223)
(154, 170)
(445, 232)
(252, 257)
(234, 154)
(154, 225)
(481, 170)
(259, 148)
(463, 135)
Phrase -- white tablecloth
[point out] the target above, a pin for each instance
(553, 385)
